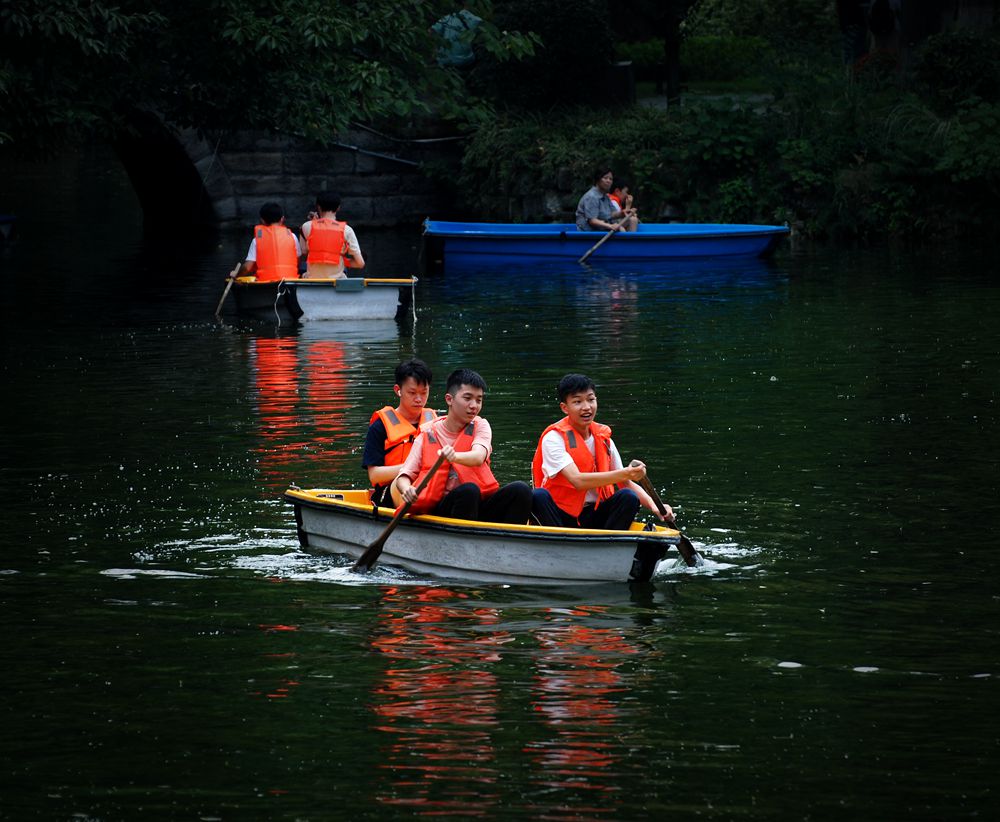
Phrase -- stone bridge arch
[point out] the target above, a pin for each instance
(183, 177)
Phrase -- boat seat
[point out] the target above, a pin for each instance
(350, 284)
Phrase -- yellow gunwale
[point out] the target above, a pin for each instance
(396, 281)
(359, 500)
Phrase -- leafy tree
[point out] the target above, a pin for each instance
(71, 66)
(569, 65)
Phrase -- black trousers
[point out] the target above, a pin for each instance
(511, 504)
(614, 514)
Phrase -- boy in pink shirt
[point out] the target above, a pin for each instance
(466, 487)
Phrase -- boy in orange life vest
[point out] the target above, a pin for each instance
(465, 488)
(274, 250)
(331, 244)
(391, 431)
(619, 195)
(578, 474)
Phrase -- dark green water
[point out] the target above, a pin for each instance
(826, 426)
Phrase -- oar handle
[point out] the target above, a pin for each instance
(685, 547)
(372, 553)
(647, 486)
(603, 239)
(229, 284)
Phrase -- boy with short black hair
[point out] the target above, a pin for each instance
(579, 478)
(274, 250)
(331, 244)
(466, 488)
(392, 431)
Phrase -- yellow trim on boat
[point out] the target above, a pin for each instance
(360, 500)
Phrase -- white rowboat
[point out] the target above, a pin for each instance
(345, 522)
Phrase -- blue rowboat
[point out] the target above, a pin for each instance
(653, 241)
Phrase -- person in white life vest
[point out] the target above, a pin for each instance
(274, 250)
(392, 431)
(579, 478)
(331, 245)
(464, 487)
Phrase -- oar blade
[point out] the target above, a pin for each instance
(687, 551)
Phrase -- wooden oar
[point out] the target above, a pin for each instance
(232, 279)
(685, 547)
(603, 239)
(373, 551)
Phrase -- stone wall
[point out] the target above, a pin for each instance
(241, 171)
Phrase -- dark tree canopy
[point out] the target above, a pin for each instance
(72, 67)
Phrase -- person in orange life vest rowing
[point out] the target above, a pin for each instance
(391, 431)
(578, 474)
(467, 489)
(331, 244)
(274, 250)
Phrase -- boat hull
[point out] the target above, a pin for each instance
(344, 299)
(344, 522)
(653, 241)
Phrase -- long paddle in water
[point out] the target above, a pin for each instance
(603, 239)
(373, 551)
(685, 547)
(232, 279)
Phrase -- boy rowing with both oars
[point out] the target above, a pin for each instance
(579, 478)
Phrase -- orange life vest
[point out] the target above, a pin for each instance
(399, 433)
(568, 498)
(481, 475)
(326, 242)
(277, 255)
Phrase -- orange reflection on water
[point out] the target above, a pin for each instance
(438, 701)
(300, 392)
(284, 686)
(576, 679)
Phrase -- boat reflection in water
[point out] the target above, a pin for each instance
(577, 680)
(438, 701)
(450, 732)
(300, 390)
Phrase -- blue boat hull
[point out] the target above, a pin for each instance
(653, 241)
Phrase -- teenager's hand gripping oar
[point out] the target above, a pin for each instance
(685, 547)
(232, 279)
(603, 239)
(373, 551)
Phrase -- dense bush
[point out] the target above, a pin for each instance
(574, 53)
(646, 57)
(832, 164)
(957, 65)
(723, 57)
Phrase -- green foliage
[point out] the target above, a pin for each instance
(286, 65)
(723, 57)
(957, 65)
(63, 66)
(971, 153)
(645, 56)
(844, 164)
(794, 25)
(573, 54)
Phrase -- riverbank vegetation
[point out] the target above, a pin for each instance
(773, 127)
(72, 70)
(846, 119)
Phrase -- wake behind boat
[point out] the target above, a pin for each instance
(346, 522)
(652, 241)
(351, 298)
